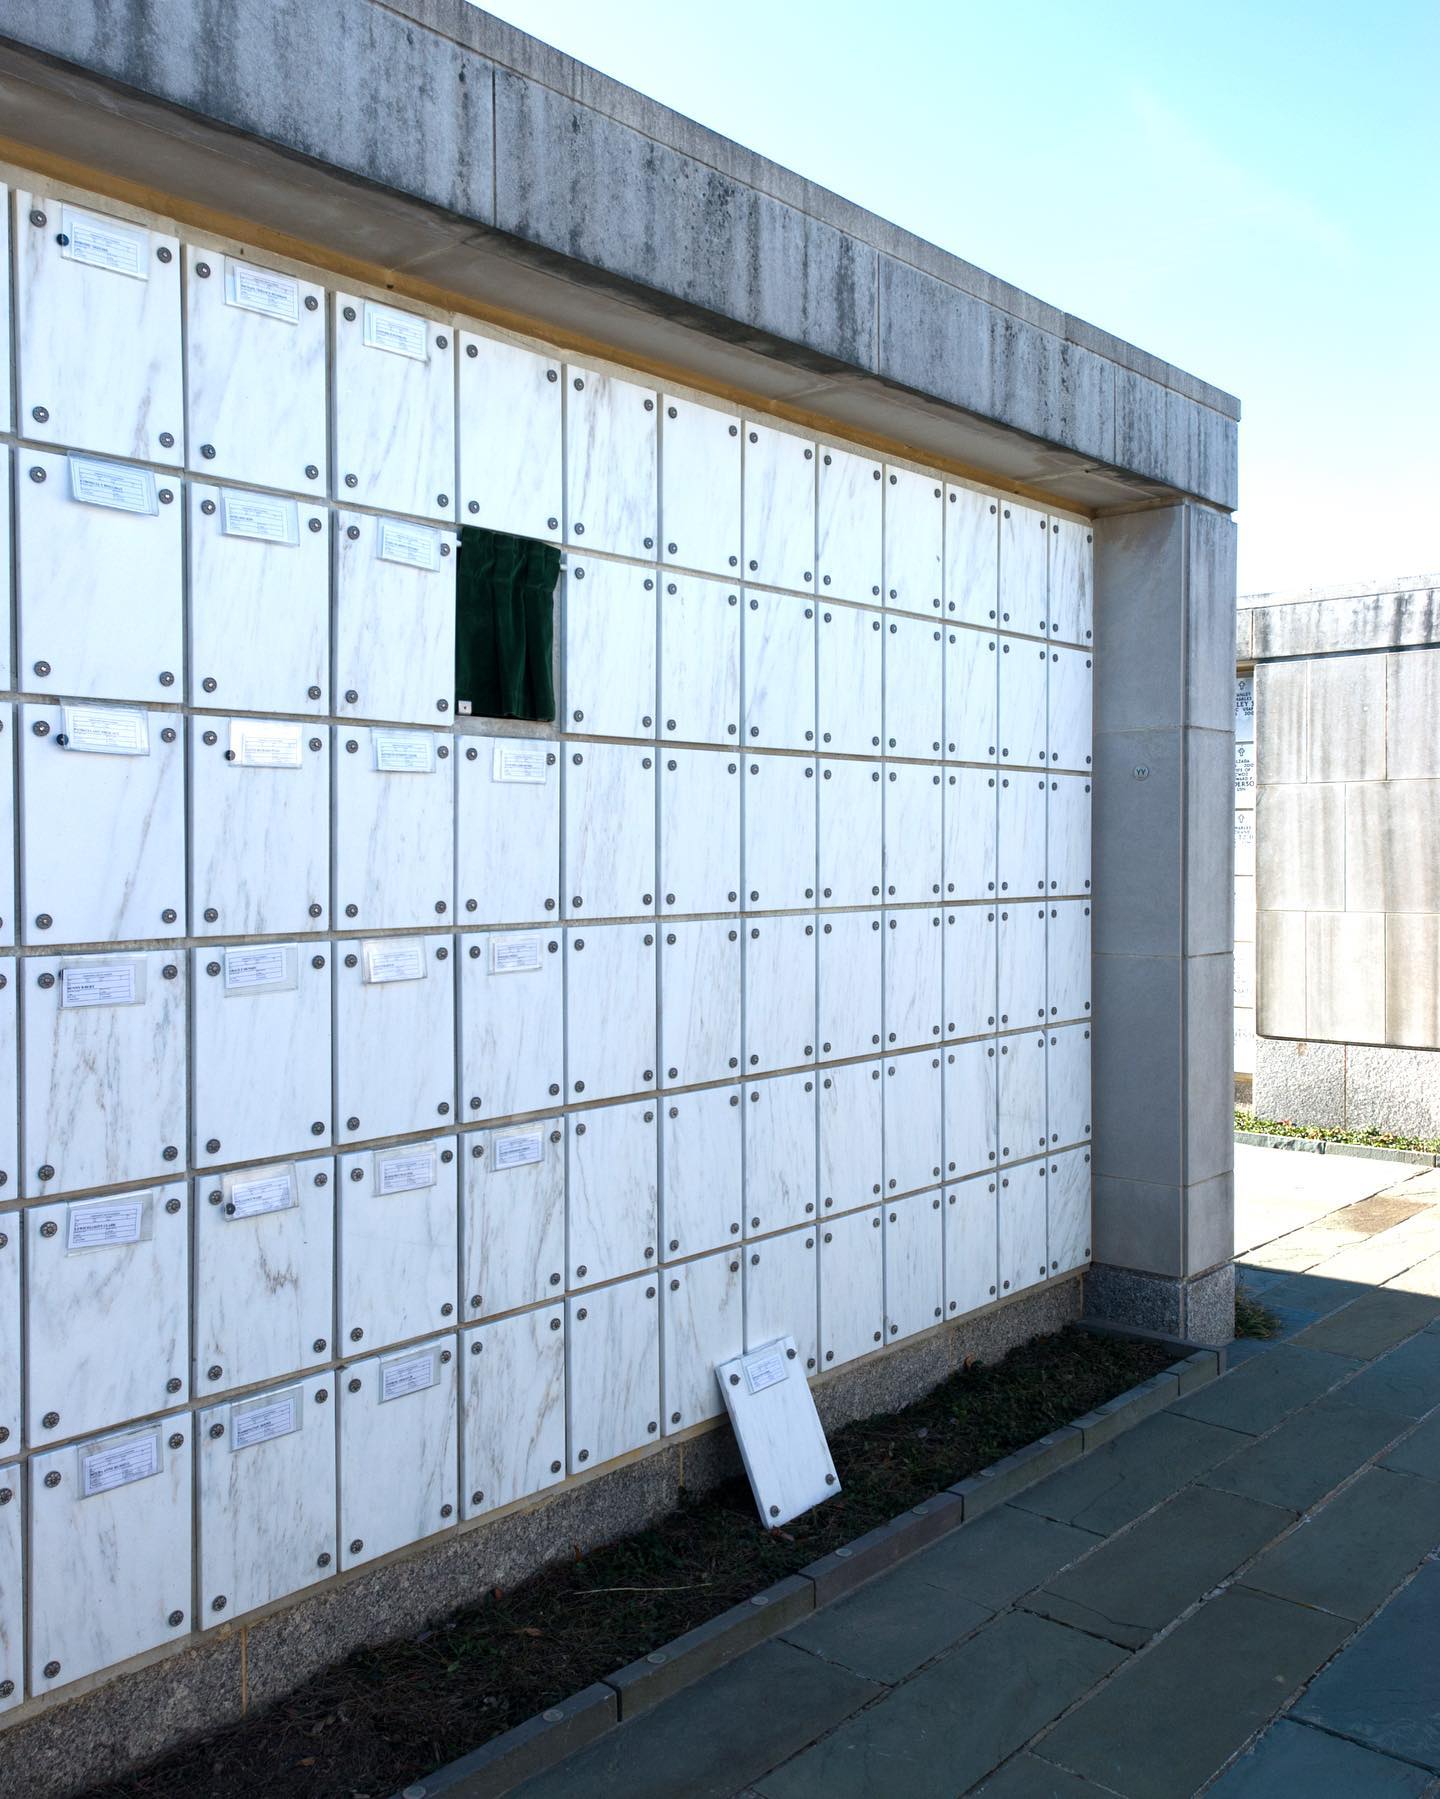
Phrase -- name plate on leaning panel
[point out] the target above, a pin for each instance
(259, 515)
(403, 752)
(765, 1368)
(399, 332)
(415, 546)
(400, 960)
(408, 1374)
(269, 743)
(518, 761)
(260, 1190)
(256, 1421)
(103, 984)
(112, 484)
(515, 955)
(106, 244)
(109, 1223)
(271, 968)
(118, 1463)
(260, 290)
(406, 1173)
(519, 1150)
(105, 730)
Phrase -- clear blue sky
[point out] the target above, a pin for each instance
(1251, 191)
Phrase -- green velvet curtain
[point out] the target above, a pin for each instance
(505, 624)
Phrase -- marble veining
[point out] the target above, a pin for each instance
(1068, 853)
(608, 665)
(398, 1250)
(913, 833)
(850, 984)
(7, 855)
(852, 1286)
(1022, 1226)
(700, 486)
(699, 699)
(394, 629)
(609, 831)
(851, 1136)
(699, 1000)
(9, 1080)
(1068, 1084)
(507, 837)
(1072, 616)
(1024, 554)
(849, 679)
(1067, 959)
(1021, 833)
(512, 1219)
(702, 1312)
(969, 974)
(610, 1010)
(972, 1250)
(779, 485)
(1070, 724)
(914, 988)
(5, 396)
(1022, 703)
(7, 679)
(255, 384)
(10, 1314)
(914, 1265)
(266, 1509)
(913, 1097)
(914, 687)
(613, 1181)
(610, 464)
(779, 672)
(780, 1153)
(972, 1132)
(411, 1085)
(394, 416)
(1021, 962)
(106, 1329)
(612, 1371)
(972, 695)
(1068, 1215)
(399, 1467)
(701, 1198)
(512, 1409)
(848, 529)
(12, 1579)
(512, 1030)
(914, 538)
(1021, 1088)
(782, 1292)
(394, 834)
(850, 833)
(779, 992)
(699, 830)
(970, 841)
(510, 405)
(972, 555)
(779, 868)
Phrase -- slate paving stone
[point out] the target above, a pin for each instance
(1294, 1759)
(1357, 1549)
(1002, 1554)
(890, 1626)
(1256, 1397)
(954, 1722)
(1381, 1690)
(1309, 1454)
(1028, 1777)
(1370, 1325)
(1407, 1380)
(1117, 1483)
(1176, 1714)
(1258, 1280)
(1140, 1581)
(1419, 1453)
(715, 1736)
(1317, 1293)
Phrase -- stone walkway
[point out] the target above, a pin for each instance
(1241, 1595)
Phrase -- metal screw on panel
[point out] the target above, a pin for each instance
(51, 1668)
(47, 1173)
(167, 440)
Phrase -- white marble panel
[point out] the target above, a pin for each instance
(972, 1130)
(852, 1153)
(512, 1218)
(8, 892)
(97, 327)
(701, 1196)
(118, 638)
(613, 1183)
(610, 464)
(512, 1023)
(264, 1280)
(779, 869)
(267, 1496)
(1068, 831)
(12, 1546)
(609, 831)
(255, 373)
(610, 1010)
(782, 1441)
(849, 984)
(7, 677)
(780, 1012)
(850, 833)
(1022, 1225)
(782, 1295)
(511, 436)
(972, 553)
(914, 534)
(1072, 608)
(259, 830)
(972, 695)
(1070, 724)
(1021, 1095)
(971, 821)
(1024, 555)
(779, 507)
(1067, 959)
(1068, 1211)
(914, 687)
(1022, 703)
(394, 620)
(969, 985)
(852, 1286)
(780, 1153)
(394, 1042)
(609, 649)
(972, 1250)
(699, 700)
(1021, 964)
(398, 1237)
(109, 1573)
(9, 1082)
(699, 830)
(507, 833)
(848, 525)
(512, 1409)
(612, 1373)
(394, 408)
(107, 1329)
(913, 1121)
(702, 1310)
(1021, 833)
(103, 1081)
(1068, 1084)
(399, 1466)
(700, 1001)
(779, 671)
(10, 1315)
(6, 397)
(913, 833)
(914, 1265)
(700, 486)
(914, 983)
(394, 828)
(259, 608)
(849, 679)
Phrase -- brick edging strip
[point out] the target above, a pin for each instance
(1327, 1146)
(498, 1766)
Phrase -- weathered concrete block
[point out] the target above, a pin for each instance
(1300, 851)
(1210, 1223)
(1209, 609)
(1412, 705)
(1345, 976)
(1139, 1080)
(1391, 829)
(1370, 621)
(1346, 719)
(1209, 843)
(1280, 974)
(1138, 825)
(1209, 1111)
(1412, 979)
(1281, 711)
(1137, 1225)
